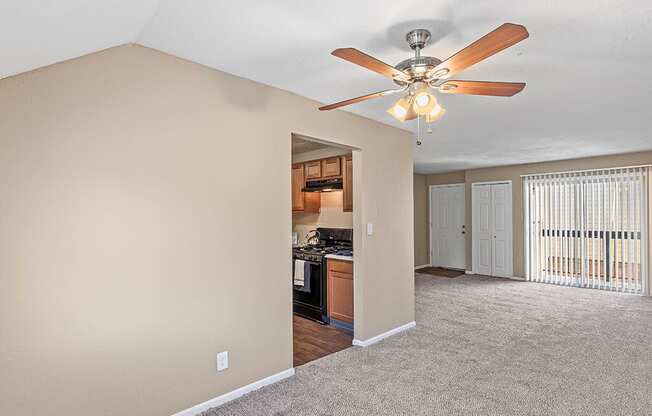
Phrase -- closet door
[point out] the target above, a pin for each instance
(501, 196)
(492, 229)
(482, 229)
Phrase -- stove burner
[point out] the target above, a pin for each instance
(317, 252)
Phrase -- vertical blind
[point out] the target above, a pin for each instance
(588, 229)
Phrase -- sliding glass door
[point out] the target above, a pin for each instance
(588, 229)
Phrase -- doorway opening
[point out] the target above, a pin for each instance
(322, 248)
(447, 227)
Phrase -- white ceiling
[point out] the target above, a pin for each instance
(586, 62)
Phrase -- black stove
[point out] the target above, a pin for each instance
(316, 252)
(312, 304)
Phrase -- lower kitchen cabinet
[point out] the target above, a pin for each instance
(340, 290)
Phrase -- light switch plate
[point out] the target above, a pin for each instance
(370, 229)
(222, 360)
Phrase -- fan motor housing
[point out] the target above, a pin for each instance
(417, 38)
(417, 68)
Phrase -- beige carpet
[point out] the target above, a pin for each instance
(484, 346)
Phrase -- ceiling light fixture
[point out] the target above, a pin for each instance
(424, 102)
(400, 110)
(435, 114)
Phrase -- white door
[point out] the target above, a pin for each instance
(492, 229)
(482, 230)
(447, 226)
(501, 195)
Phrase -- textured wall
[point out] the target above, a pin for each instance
(134, 187)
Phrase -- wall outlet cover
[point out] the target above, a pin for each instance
(222, 360)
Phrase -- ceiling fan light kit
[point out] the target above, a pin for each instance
(400, 109)
(436, 113)
(420, 76)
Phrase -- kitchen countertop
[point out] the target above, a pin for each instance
(338, 257)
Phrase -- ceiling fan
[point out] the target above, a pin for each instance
(420, 75)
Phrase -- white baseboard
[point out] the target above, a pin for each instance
(373, 340)
(469, 272)
(520, 279)
(227, 397)
(423, 266)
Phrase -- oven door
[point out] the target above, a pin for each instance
(311, 304)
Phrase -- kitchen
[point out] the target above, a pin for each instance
(322, 249)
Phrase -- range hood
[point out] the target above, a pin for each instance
(323, 185)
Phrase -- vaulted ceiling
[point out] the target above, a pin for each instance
(586, 62)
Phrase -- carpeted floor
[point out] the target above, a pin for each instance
(484, 346)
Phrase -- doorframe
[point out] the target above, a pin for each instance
(430, 188)
(511, 225)
(357, 156)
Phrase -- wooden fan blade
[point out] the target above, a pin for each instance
(360, 58)
(358, 99)
(501, 38)
(499, 89)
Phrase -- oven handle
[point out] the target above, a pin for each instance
(311, 262)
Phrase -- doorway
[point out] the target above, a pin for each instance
(322, 248)
(447, 227)
(492, 228)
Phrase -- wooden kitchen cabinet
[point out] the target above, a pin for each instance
(303, 201)
(347, 179)
(298, 180)
(340, 290)
(331, 167)
(313, 169)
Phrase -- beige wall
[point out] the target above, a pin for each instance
(446, 178)
(132, 189)
(421, 220)
(513, 173)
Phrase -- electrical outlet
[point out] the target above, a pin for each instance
(222, 360)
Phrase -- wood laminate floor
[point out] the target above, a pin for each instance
(313, 340)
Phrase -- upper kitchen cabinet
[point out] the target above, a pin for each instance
(331, 167)
(347, 179)
(298, 181)
(303, 201)
(313, 169)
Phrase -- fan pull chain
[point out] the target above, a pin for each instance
(418, 131)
